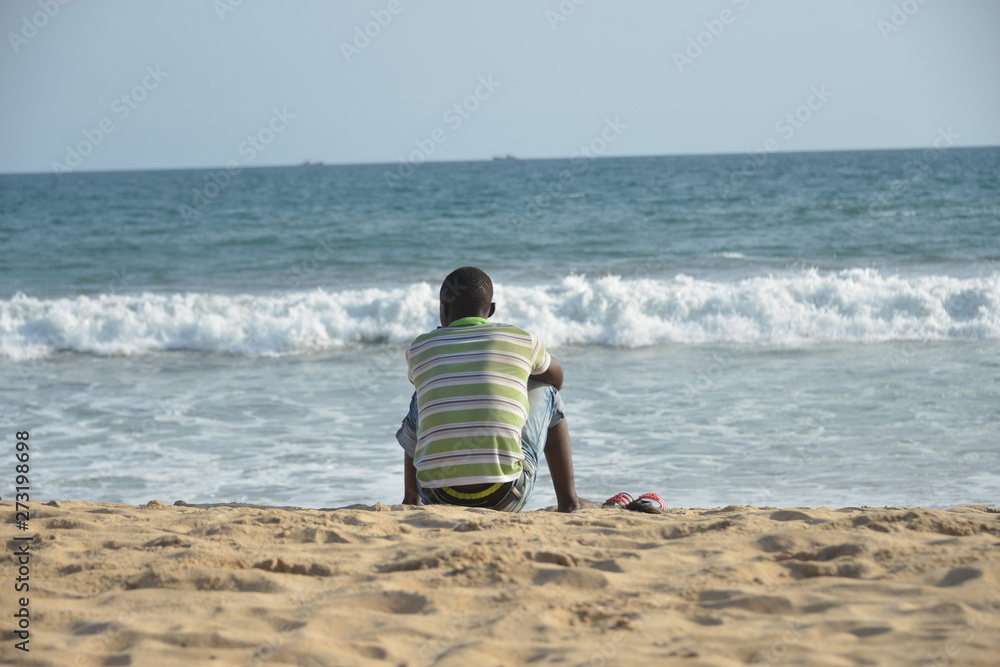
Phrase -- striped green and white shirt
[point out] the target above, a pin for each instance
(471, 382)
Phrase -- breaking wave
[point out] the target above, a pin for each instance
(788, 309)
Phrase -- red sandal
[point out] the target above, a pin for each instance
(621, 500)
(649, 503)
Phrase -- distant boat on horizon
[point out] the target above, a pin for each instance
(307, 163)
(508, 156)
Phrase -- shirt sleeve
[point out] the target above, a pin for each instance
(409, 367)
(540, 359)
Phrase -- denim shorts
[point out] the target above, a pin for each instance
(545, 411)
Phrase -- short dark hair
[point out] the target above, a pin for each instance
(467, 290)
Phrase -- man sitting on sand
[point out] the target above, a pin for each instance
(486, 401)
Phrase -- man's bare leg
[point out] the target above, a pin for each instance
(559, 457)
(411, 493)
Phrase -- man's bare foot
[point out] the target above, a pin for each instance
(570, 505)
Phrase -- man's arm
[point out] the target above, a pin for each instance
(411, 495)
(553, 375)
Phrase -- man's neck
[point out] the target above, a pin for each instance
(468, 321)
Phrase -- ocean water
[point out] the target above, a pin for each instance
(795, 329)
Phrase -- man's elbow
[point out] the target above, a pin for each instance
(553, 375)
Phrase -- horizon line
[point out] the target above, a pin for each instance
(309, 163)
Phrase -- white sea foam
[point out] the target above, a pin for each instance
(788, 309)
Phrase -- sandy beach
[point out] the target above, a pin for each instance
(162, 584)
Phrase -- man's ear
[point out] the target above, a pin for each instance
(493, 309)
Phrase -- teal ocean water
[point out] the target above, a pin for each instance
(789, 329)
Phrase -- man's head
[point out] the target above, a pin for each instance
(466, 292)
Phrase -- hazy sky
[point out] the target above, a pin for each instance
(115, 84)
